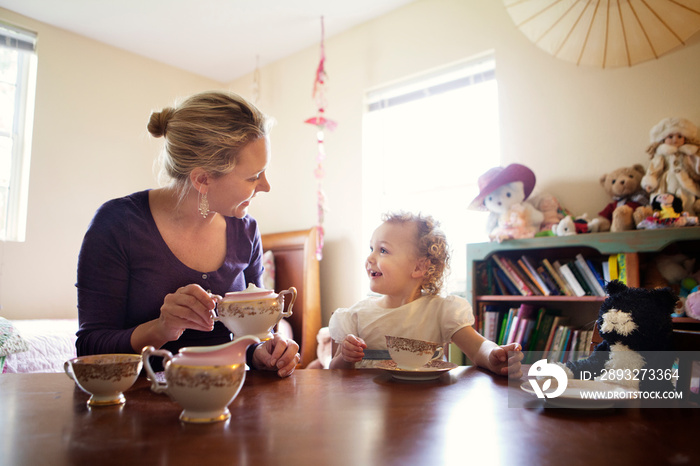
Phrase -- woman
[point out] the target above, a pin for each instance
(151, 261)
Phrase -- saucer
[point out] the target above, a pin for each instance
(430, 371)
(572, 398)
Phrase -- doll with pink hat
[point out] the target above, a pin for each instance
(675, 162)
(503, 191)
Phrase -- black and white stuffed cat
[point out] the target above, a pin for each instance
(630, 321)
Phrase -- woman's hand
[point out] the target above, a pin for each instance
(502, 364)
(188, 307)
(278, 354)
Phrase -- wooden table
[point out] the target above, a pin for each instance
(333, 417)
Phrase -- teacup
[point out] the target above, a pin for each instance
(203, 380)
(104, 376)
(410, 354)
(254, 311)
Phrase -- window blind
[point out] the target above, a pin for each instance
(13, 37)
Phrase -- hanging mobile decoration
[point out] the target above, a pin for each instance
(321, 123)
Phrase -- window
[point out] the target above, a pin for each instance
(17, 85)
(426, 140)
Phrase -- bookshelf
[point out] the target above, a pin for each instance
(638, 247)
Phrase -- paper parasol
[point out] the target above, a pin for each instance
(606, 33)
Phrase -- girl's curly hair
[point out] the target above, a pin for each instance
(431, 244)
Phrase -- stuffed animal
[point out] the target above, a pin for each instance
(675, 162)
(692, 304)
(503, 192)
(551, 210)
(630, 321)
(623, 186)
(569, 226)
(665, 211)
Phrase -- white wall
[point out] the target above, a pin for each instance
(569, 124)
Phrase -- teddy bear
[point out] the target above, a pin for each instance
(624, 187)
(675, 162)
(503, 192)
(637, 332)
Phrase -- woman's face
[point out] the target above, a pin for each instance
(230, 194)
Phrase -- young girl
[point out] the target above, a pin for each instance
(406, 266)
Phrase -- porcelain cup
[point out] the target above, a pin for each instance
(203, 380)
(254, 311)
(104, 376)
(410, 354)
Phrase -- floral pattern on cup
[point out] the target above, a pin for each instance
(410, 353)
(106, 366)
(204, 391)
(248, 313)
(104, 376)
(210, 378)
(254, 308)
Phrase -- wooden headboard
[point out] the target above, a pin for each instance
(296, 265)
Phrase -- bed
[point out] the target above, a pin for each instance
(43, 345)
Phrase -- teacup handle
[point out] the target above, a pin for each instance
(440, 353)
(68, 368)
(148, 351)
(280, 298)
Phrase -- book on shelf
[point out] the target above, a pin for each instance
(612, 267)
(605, 267)
(484, 278)
(530, 269)
(583, 349)
(544, 327)
(560, 343)
(559, 321)
(532, 341)
(491, 316)
(520, 274)
(572, 349)
(549, 281)
(575, 268)
(505, 327)
(527, 313)
(598, 273)
(568, 275)
(514, 278)
(525, 276)
(561, 283)
(507, 287)
(512, 330)
(588, 276)
(622, 268)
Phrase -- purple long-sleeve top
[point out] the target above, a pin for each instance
(125, 269)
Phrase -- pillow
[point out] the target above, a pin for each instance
(10, 341)
(268, 277)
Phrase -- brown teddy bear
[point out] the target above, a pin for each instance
(628, 199)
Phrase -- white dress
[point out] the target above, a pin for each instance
(430, 318)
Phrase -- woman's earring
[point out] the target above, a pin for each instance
(204, 205)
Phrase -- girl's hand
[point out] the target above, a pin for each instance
(502, 364)
(278, 354)
(351, 349)
(189, 307)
